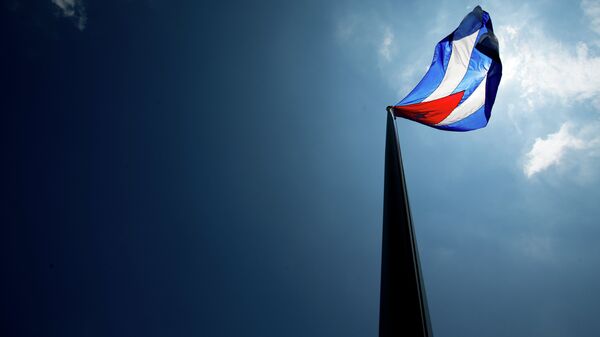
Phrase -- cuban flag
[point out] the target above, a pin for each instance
(459, 89)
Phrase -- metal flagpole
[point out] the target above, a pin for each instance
(403, 303)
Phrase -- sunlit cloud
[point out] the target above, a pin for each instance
(555, 80)
(549, 151)
(546, 69)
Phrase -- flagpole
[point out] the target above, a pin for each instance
(403, 303)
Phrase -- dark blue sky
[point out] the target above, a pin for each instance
(204, 169)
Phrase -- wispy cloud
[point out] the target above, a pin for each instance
(385, 49)
(536, 247)
(591, 9)
(550, 151)
(367, 32)
(375, 44)
(73, 9)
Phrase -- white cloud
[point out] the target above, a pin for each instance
(546, 69)
(550, 151)
(73, 9)
(591, 9)
(555, 80)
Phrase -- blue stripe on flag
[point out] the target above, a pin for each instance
(477, 120)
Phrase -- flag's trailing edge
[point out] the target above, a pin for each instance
(459, 89)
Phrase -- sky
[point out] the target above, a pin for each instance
(216, 169)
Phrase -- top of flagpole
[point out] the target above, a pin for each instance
(390, 110)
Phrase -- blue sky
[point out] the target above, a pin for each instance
(507, 215)
(197, 169)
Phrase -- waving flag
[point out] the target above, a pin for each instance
(459, 89)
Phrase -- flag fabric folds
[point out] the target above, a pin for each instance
(459, 89)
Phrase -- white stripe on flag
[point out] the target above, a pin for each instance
(468, 107)
(457, 66)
